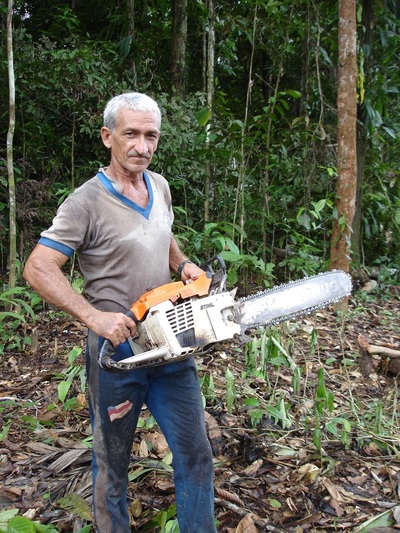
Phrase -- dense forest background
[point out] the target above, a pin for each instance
(304, 419)
(248, 92)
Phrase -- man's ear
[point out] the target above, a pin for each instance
(106, 136)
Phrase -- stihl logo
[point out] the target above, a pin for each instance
(206, 306)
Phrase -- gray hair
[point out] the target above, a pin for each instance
(133, 101)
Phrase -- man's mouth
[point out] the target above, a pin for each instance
(139, 156)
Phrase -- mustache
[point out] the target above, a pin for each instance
(134, 153)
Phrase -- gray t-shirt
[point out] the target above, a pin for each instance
(123, 249)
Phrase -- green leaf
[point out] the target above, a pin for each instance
(317, 438)
(294, 94)
(167, 460)
(41, 528)
(304, 220)
(274, 503)
(4, 431)
(10, 314)
(231, 257)
(20, 524)
(384, 519)
(319, 205)
(332, 425)
(86, 529)
(172, 526)
(231, 245)
(203, 116)
(63, 388)
(5, 516)
(251, 402)
(76, 505)
(230, 390)
(73, 354)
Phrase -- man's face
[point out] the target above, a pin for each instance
(133, 141)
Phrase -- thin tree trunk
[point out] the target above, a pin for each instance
(179, 39)
(204, 61)
(210, 103)
(10, 162)
(265, 181)
(240, 200)
(131, 33)
(73, 134)
(347, 138)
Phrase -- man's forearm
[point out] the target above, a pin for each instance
(180, 264)
(50, 283)
(176, 257)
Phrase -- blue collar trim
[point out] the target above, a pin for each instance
(145, 211)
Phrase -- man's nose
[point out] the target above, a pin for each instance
(141, 145)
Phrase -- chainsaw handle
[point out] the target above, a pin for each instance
(107, 350)
(207, 266)
(219, 277)
(105, 360)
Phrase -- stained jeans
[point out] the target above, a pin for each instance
(172, 394)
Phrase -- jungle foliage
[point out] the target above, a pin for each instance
(267, 147)
(251, 158)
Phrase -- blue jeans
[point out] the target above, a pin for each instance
(172, 394)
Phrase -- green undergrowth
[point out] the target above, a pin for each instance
(318, 398)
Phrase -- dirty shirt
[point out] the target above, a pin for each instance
(122, 248)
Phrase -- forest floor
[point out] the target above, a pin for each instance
(294, 449)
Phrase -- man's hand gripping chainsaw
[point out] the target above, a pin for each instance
(177, 320)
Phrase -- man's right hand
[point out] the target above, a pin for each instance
(116, 327)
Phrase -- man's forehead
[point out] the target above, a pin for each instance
(129, 117)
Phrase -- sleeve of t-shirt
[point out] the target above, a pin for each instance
(69, 229)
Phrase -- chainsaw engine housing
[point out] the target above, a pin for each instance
(178, 330)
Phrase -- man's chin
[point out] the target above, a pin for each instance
(137, 167)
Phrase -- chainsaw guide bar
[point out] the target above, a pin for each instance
(177, 321)
(293, 299)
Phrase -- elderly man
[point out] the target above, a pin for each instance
(119, 224)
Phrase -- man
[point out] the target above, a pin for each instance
(119, 223)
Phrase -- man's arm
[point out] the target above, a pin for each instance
(43, 273)
(189, 271)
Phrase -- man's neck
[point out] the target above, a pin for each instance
(125, 178)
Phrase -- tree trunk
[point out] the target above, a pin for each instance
(210, 102)
(347, 138)
(179, 39)
(131, 34)
(240, 199)
(266, 177)
(10, 162)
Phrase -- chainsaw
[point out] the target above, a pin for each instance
(178, 320)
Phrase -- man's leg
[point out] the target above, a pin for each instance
(115, 403)
(174, 399)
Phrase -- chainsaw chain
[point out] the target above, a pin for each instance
(297, 314)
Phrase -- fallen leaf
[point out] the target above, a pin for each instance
(309, 472)
(246, 525)
(253, 468)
